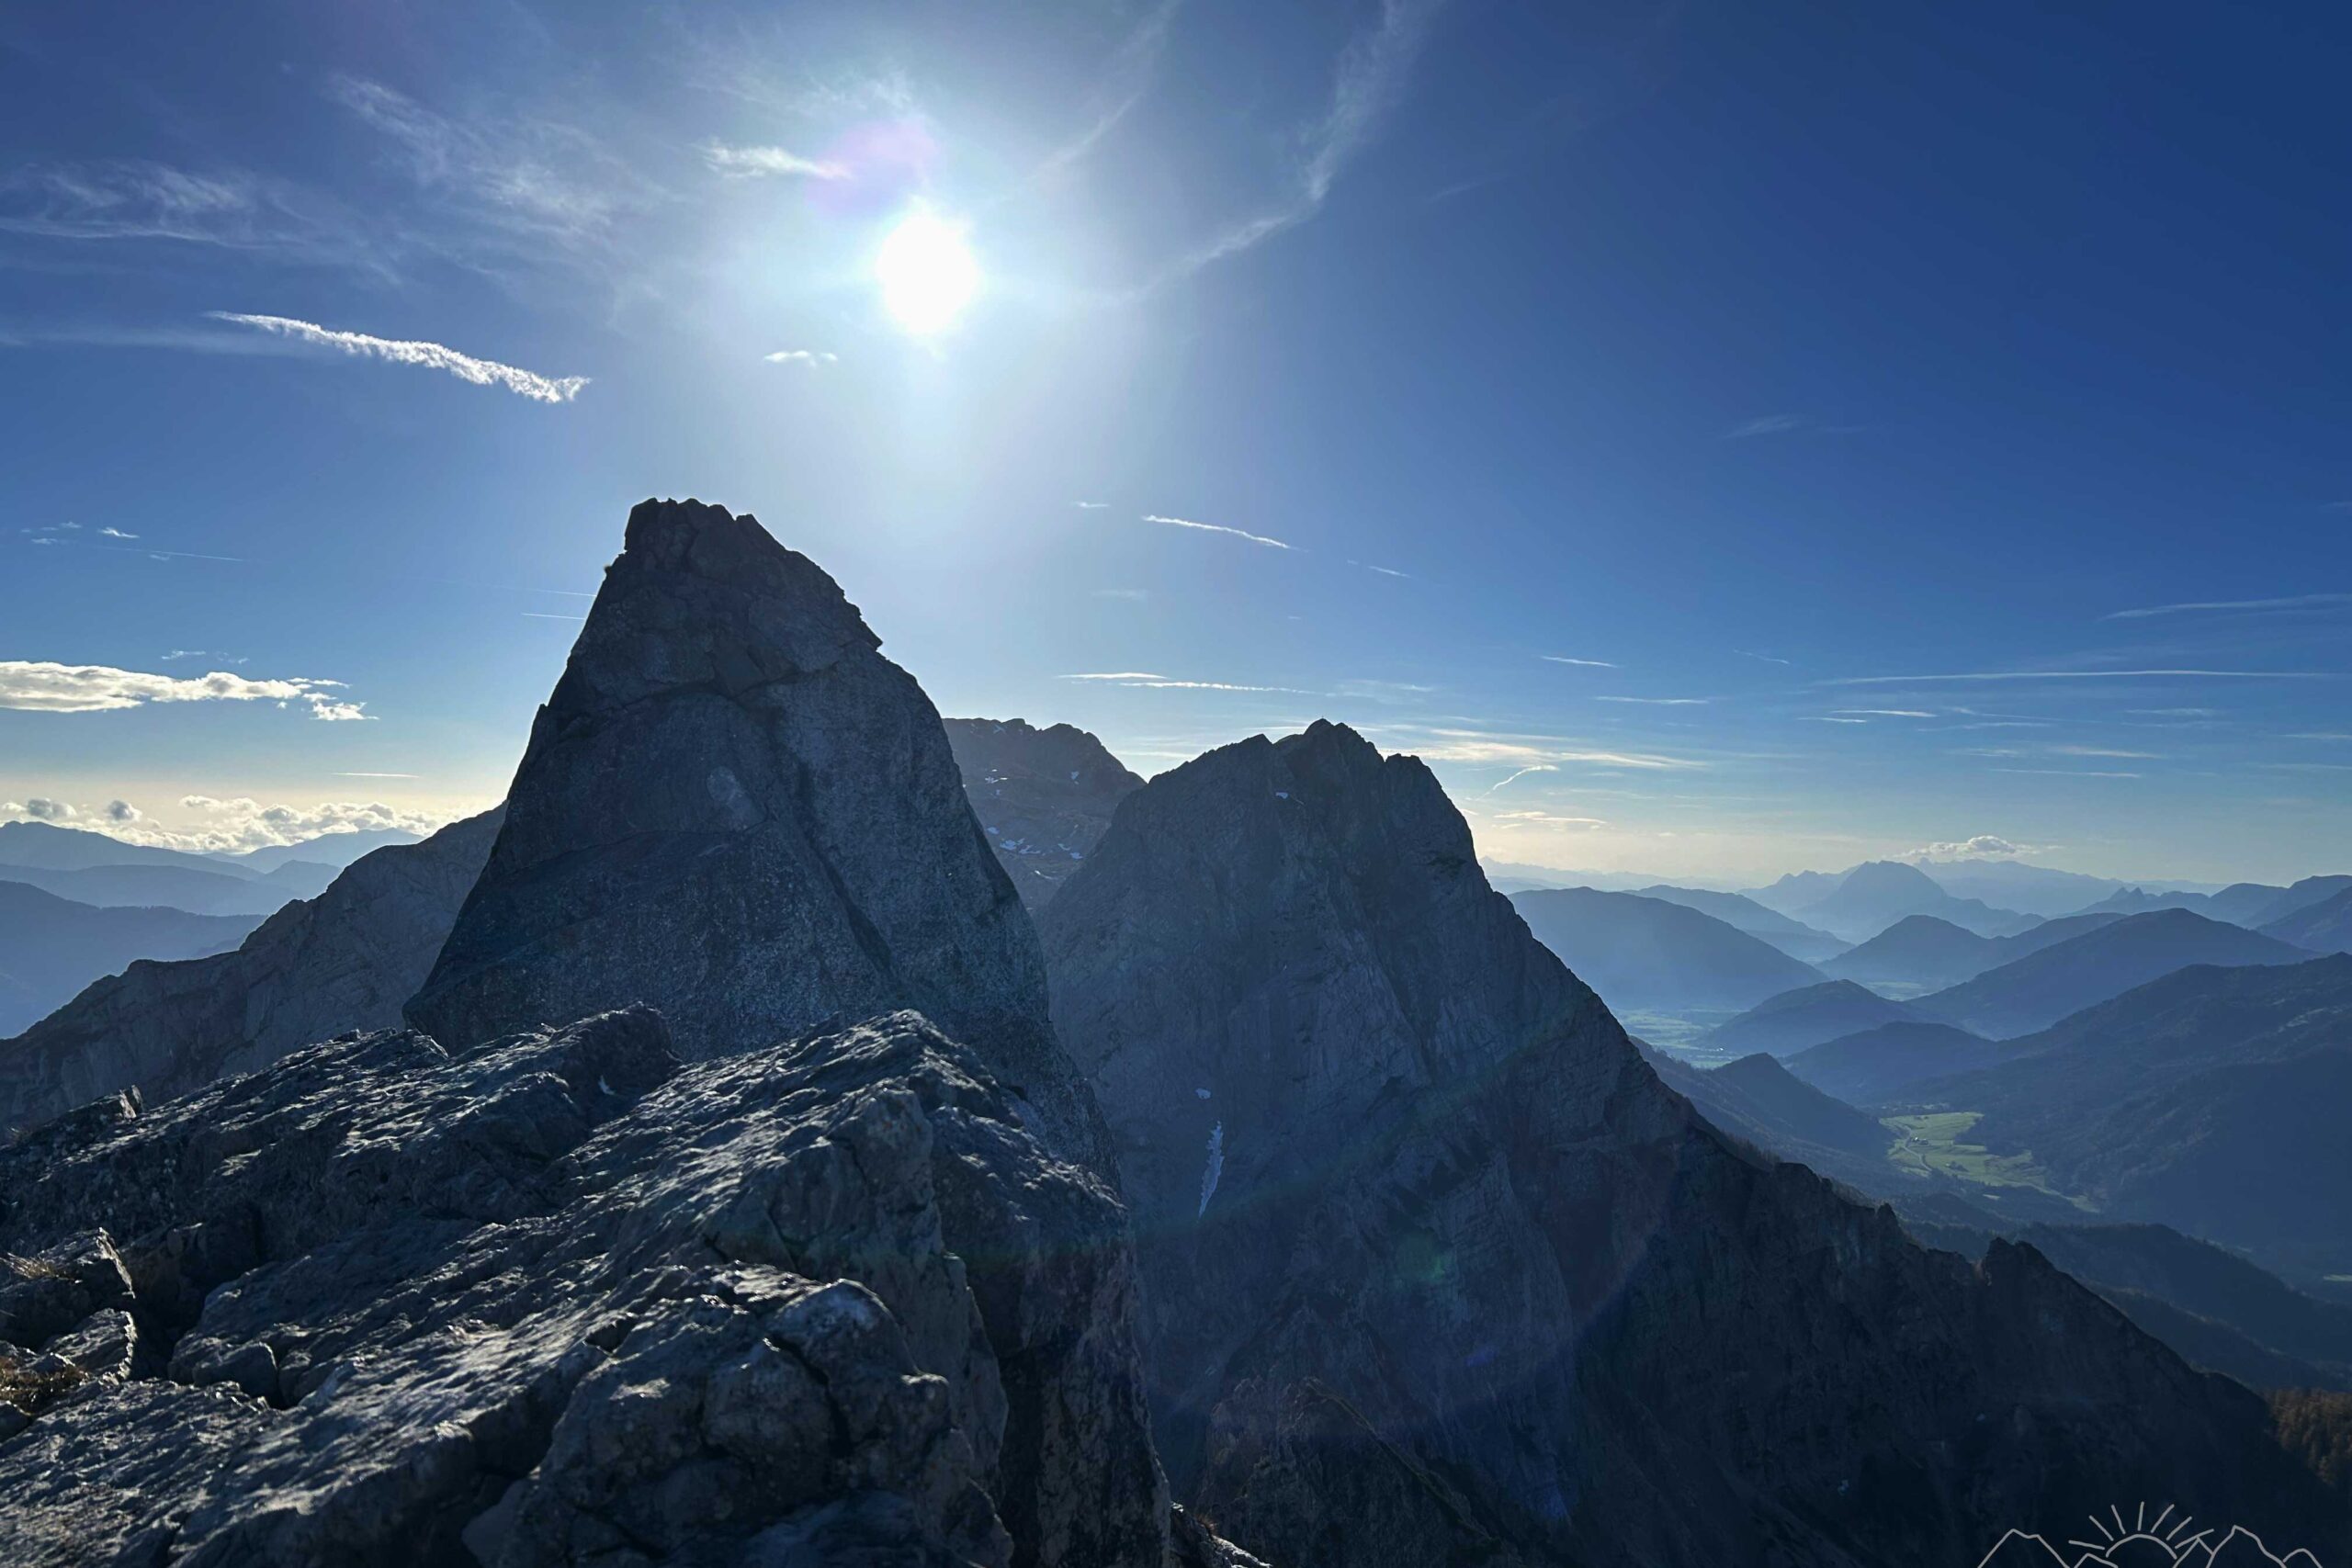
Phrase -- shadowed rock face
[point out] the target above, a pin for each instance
(346, 959)
(735, 810)
(1044, 797)
(562, 1299)
(1435, 1270)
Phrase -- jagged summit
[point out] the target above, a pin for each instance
(734, 809)
(1435, 1270)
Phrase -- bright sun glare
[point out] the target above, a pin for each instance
(927, 272)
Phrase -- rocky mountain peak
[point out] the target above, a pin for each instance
(1043, 796)
(734, 809)
(1435, 1268)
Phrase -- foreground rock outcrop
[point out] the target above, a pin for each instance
(1435, 1270)
(734, 809)
(346, 959)
(1044, 797)
(563, 1299)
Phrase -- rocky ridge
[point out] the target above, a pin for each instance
(347, 959)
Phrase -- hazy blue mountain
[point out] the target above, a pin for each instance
(336, 850)
(1796, 1020)
(2304, 895)
(2213, 1100)
(1797, 890)
(2140, 901)
(51, 947)
(1756, 1099)
(1648, 955)
(1923, 952)
(1807, 943)
(1876, 894)
(2033, 992)
(2324, 927)
(2013, 885)
(1883, 1064)
(43, 846)
(167, 886)
(2241, 902)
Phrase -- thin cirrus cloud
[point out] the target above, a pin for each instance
(42, 687)
(769, 162)
(1763, 658)
(1660, 702)
(1144, 680)
(1367, 84)
(430, 356)
(2089, 675)
(1887, 713)
(1587, 663)
(1384, 570)
(801, 356)
(1216, 528)
(2292, 602)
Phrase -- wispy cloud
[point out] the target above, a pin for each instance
(1093, 505)
(1587, 663)
(1144, 680)
(1830, 719)
(1546, 819)
(2294, 602)
(801, 356)
(2069, 772)
(431, 356)
(1765, 658)
(1134, 594)
(2318, 735)
(770, 162)
(2091, 675)
(1367, 84)
(1522, 772)
(376, 775)
(111, 533)
(2104, 751)
(1384, 570)
(1121, 87)
(1660, 702)
(199, 653)
(43, 687)
(1888, 712)
(1216, 528)
(1527, 750)
(1786, 424)
(133, 199)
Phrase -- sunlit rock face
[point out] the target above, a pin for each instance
(345, 960)
(1435, 1270)
(735, 810)
(1044, 797)
(564, 1299)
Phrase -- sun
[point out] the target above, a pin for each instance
(927, 272)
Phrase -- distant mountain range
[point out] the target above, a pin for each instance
(2324, 927)
(1808, 944)
(51, 947)
(198, 892)
(2213, 1100)
(1649, 954)
(1876, 894)
(2033, 992)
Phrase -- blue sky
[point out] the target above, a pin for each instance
(1720, 438)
